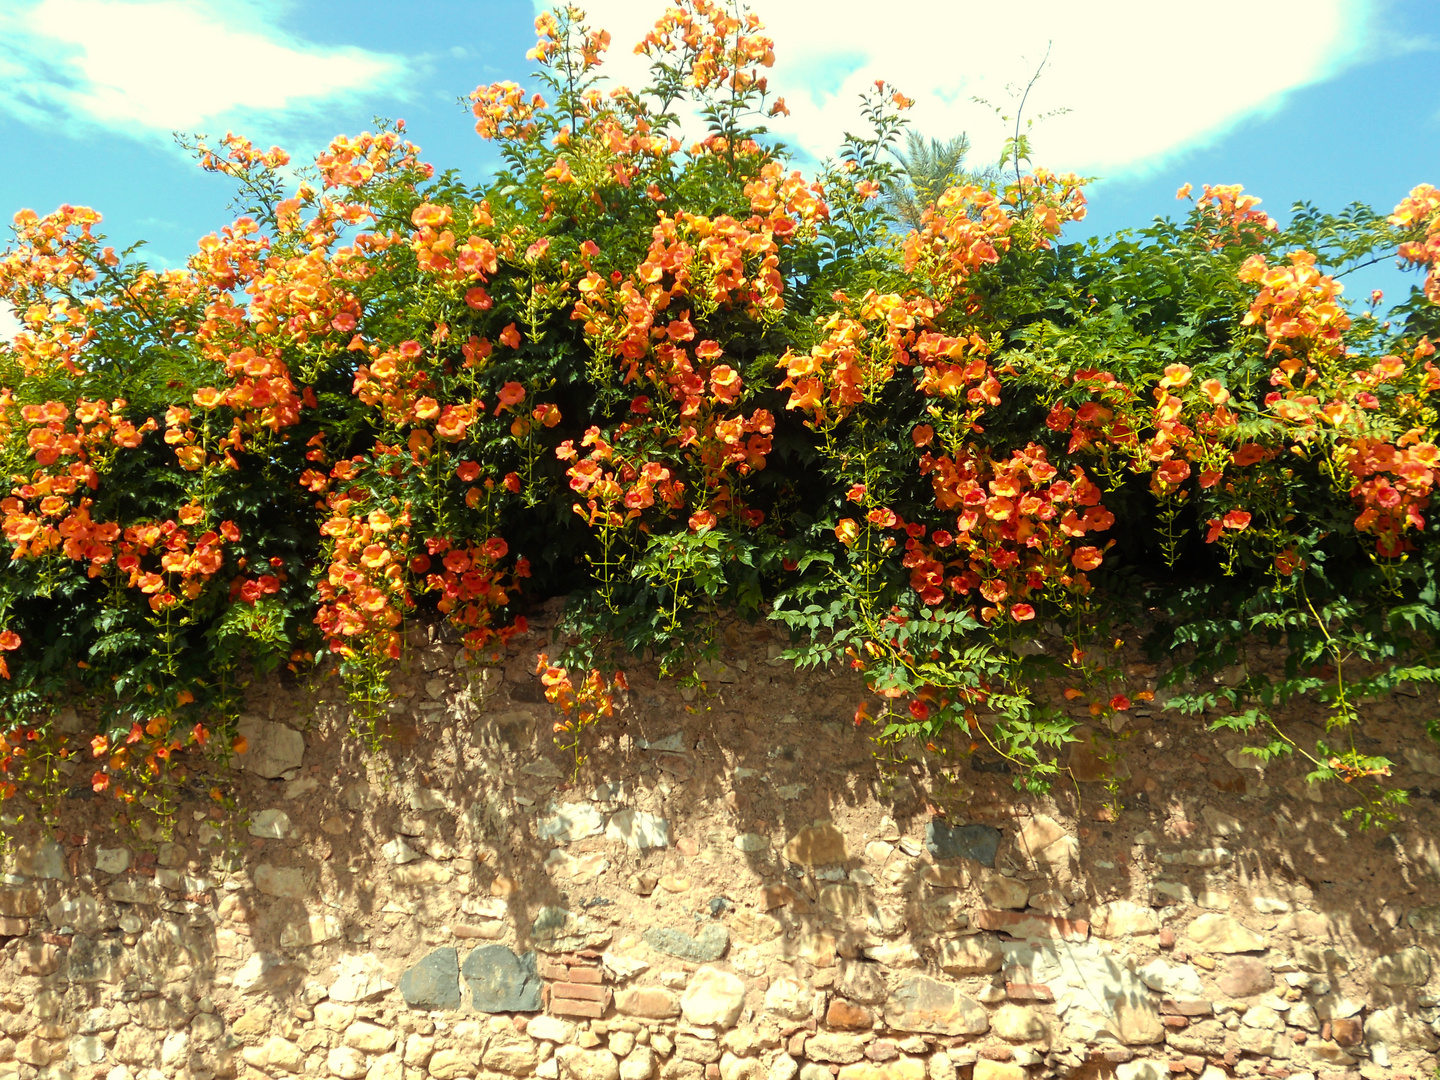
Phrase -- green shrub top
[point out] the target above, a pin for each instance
(672, 380)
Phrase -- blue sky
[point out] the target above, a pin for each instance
(1329, 100)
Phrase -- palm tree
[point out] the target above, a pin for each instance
(927, 168)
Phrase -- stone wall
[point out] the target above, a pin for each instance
(737, 883)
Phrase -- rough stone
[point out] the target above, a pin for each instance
(927, 1005)
(1244, 976)
(834, 1047)
(569, 822)
(114, 860)
(371, 1038)
(96, 960)
(648, 1002)
(713, 997)
(508, 1051)
(638, 830)
(978, 842)
(558, 930)
(346, 1062)
(1121, 918)
(581, 1064)
(1408, 967)
(978, 954)
(433, 983)
(861, 982)
(83, 914)
(902, 1068)
(500, 981)
(843, 1015)
(817, 845)
(43, 860)
(1004, 892)
(705, 948)
(790, 998)
(272, 749)
(1223, 934)
(1020, 1024)
(986, 1069)
(359, 977)
(275, 1053)
(283, 881)
(264, 972)
(271, 824)
(19, 903)
(1398, 1030)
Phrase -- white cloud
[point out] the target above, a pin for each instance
(9, 324)
(157, 66)
(1143, 79)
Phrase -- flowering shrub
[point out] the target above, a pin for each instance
(677, 379)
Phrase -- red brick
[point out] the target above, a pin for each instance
(1029, 992)
(578, 992)
(1175, 1023)
(550, 970)
(594, 1010)
(590, 975)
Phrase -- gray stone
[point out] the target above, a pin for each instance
(83, 914)
(113, 860)
(638, 830)
(673, 743)
(92, 961)
(751, 842)
(271, 825)
(927, 1005)
(501, 981)
(1408, 967)
(433, 983)
(978, 842)
(272, 749)
(569, 822)
(708, 946)
(43, 860)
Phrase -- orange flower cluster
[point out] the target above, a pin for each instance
(718, 49)
(861, 348)
(1014, 531)
(191, 564)
(1226, 216)
(1421, 210)
(364, 591)
(502, 111)
(1297, 305)
(581, 705)
(52, 254)
(471, 586)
